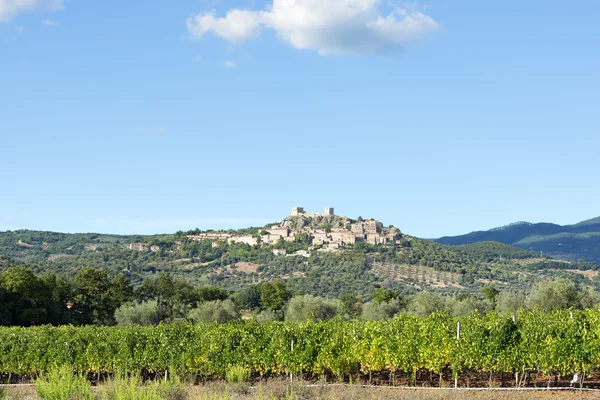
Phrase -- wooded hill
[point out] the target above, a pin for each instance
(410, 265)
(577, 242)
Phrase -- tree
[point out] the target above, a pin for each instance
(510, 302)
(351, 306)
(554, 295)
(490, 292)
(467, 305)
(146, 313)
(25, 299)
(220, 311)
(210, 293)
(374, 311)
(383, 295)
(310, 308)
(274, 295)
(121, 289)
(61, 294)
(249, 298)
(93, 301)
(425, 303)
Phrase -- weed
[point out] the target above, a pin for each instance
(237, 374)
(124, 387)
(62, 384)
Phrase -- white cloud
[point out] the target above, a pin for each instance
(50, 22)
(230, 64)
(328, 26)
(237, 26)
(10, 8)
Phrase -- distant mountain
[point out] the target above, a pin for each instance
(577, 242)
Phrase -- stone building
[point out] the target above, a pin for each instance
(270, 239)
(252, 241)
(297, 211)
(138, 246)
(279, 230)
(209, 236)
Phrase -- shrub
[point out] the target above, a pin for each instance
(239, 378)
(237, 374)
(131, 388)
(62, 384)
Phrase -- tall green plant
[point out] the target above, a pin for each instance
(62, 384)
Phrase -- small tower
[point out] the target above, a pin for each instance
(297, 211)
(328, 211)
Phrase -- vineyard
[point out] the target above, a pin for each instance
(556, 343)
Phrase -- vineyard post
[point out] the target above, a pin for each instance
(458, 345)
(291, 374)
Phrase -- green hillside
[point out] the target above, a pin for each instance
(577, 242)
(408, 265)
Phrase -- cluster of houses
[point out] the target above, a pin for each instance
(153, 248)
(369, 231)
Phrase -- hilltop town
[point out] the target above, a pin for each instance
(325, 230)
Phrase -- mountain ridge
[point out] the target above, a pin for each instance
(573, 242)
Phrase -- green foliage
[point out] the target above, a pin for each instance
(382, 295)
(351, 306)
(220, 311)
(274, 295)
(542, 341)
(491, 293)
(62, 384)
(95, 299)
(145, 313)
(558, 295)
(425, 304)
(124, 387)
(510, 302)
(374, 311)
(310, 308)
(238, 374)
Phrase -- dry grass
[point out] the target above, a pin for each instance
(588, 274)
(245, 267)
(300, 391)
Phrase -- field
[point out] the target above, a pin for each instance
(529, 349)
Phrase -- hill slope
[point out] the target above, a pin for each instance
(577, 242)
(406, 265)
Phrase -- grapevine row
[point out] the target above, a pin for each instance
(560, 342)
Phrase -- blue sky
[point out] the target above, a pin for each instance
(439, 118)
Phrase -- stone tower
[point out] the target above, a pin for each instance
(329, 211)
(297, 211)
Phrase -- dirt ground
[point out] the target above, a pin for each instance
(301, 391)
